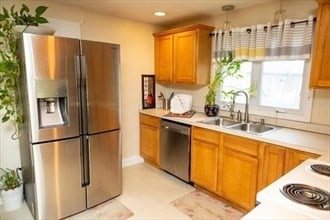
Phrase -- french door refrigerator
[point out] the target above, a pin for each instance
(70, 143)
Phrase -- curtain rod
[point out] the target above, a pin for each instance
(292, 24)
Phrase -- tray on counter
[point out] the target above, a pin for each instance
(188, 114)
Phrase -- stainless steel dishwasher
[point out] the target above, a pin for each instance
(175, 149)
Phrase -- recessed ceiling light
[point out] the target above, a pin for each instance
(159, 13)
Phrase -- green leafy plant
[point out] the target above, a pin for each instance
(10, 179)
(22, 17)
(226, 67)
(10, 97)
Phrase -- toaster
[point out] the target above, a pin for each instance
(181, 103)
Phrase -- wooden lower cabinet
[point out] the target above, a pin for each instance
(233, 167)
(238, 179)
(277, 160)
(236, 168)
(204, 157)
(149, 138)
(238, 171)
(296, 157)
(273, 160)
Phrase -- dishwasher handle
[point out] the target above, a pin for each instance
(177, 128)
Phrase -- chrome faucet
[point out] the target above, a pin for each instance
(246, 113)
(231, 109)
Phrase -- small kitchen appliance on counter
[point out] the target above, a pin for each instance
(181, 104)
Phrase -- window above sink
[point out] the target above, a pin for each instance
(281, 89)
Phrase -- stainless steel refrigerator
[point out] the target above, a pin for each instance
(70, 144)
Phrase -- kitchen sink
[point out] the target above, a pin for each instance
(225, 122)
(253, 128)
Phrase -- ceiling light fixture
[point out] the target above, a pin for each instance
(227, 24)
(279, 14)
(159, 13)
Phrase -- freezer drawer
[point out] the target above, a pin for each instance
(105, 167)
(57, 170)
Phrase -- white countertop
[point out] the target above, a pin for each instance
(272, 211)
(291, 138)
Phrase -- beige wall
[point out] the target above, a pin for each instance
(136, 42)
(137, 52)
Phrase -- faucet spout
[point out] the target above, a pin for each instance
(231, 109)
(246, 113)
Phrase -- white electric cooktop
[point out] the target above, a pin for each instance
(301, 176)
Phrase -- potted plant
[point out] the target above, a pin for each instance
(11, 188)
(25, 22)
(10, 97)
(225, 67)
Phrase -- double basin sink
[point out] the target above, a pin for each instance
(252, 128)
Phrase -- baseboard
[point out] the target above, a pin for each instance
(130, 161)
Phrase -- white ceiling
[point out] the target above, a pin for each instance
(177, 10)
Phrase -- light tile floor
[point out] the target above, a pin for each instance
(147, 192)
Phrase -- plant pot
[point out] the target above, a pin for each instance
(211, 110)
(12, 199)
(42, 30)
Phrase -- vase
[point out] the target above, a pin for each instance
(12, 199)
(211, 110)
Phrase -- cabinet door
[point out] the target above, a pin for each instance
(204, 157)
(149, 143)
(149, 138)
(185, 57)
(238, 182)
(204, 162)
(320, 72)
(296, 157)
(164, 58)
(273, 164)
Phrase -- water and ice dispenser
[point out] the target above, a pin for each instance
(52, 103)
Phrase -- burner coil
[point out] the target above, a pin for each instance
(321, 169)
(308, 195)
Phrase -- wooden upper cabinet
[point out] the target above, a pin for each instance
(164, 58)
(320, 71)
(183, 55)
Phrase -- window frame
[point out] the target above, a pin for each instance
(303, 114)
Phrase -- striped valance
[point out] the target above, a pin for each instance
(290, 39)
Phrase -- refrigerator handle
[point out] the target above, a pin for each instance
(83, 93)
(85, 164)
